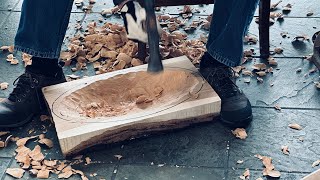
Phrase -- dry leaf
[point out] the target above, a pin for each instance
(33, 172)
(274, 6)
(136, 62)
(2, 144)
(245, 175)
(50, 163)
(278, 50)
(285, 150)
(65, 174)
(15, 172)
(47, 142)
(240, 133)
(272, 61)
(295, 126)
(273, 173)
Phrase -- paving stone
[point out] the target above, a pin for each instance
(134, 172)
(4, 163)
(269, 131)
(234, 175)
(294, 27)
(3, 15)
(200, 145)
(290, 89)
(7, 5)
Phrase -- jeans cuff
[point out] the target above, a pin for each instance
(223, 59)
(35, 53)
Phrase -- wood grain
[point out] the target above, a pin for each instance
(76, 134)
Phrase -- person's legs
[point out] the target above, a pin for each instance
(224, 50)
(225, 42)
(41, 31)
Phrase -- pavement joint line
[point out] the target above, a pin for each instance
(258, 170)
(9, 165)
(289, 108)
(172, 166)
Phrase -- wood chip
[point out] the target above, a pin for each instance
(43, 174)
(15, 172)
(245, 175)
(23, 141)
(259, 66)
(261, 73)
(88, 160)
(277, 107)
(285, 150)
(36, 154)
(295, 126)
(2, 144)
(240, 133)
(4, 85)
(2, 133)
(316, 163)
(47, 142)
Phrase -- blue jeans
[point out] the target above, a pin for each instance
(43, 24)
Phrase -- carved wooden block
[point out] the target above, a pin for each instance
(129, 103)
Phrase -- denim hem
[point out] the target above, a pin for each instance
(222, 59)
(35, 53)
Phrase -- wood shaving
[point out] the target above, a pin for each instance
(285, 150)
(259, 66)
(261, 73)
(278, 50)
(43, 174)
(88, 160)
(240, 133)
(36, 154)
(15, 172)
(277, 107)
(47, 142)
(316, 163)
(118, 156)
(23, 141)
(245, 175)
(295, 126)
(274, 6)
(272, 61)
(269, 167)
(4, 85)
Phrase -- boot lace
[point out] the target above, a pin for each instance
(24, 84)
(221, 79)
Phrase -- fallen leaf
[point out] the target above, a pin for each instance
(15, 172)
(240, 133)
(261, 73)
(274, 6)
(285, 150)
(273, 173)
(278, 50)
(2, 144)
(295, 126)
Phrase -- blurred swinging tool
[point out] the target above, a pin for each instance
(141, 24)
(155, 63)
(315, 59)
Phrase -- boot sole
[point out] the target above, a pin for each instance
(28, 119)
(239, 124)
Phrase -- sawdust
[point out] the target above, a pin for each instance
(135, 91)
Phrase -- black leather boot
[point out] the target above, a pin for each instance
(235, 107)
(26, 100)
